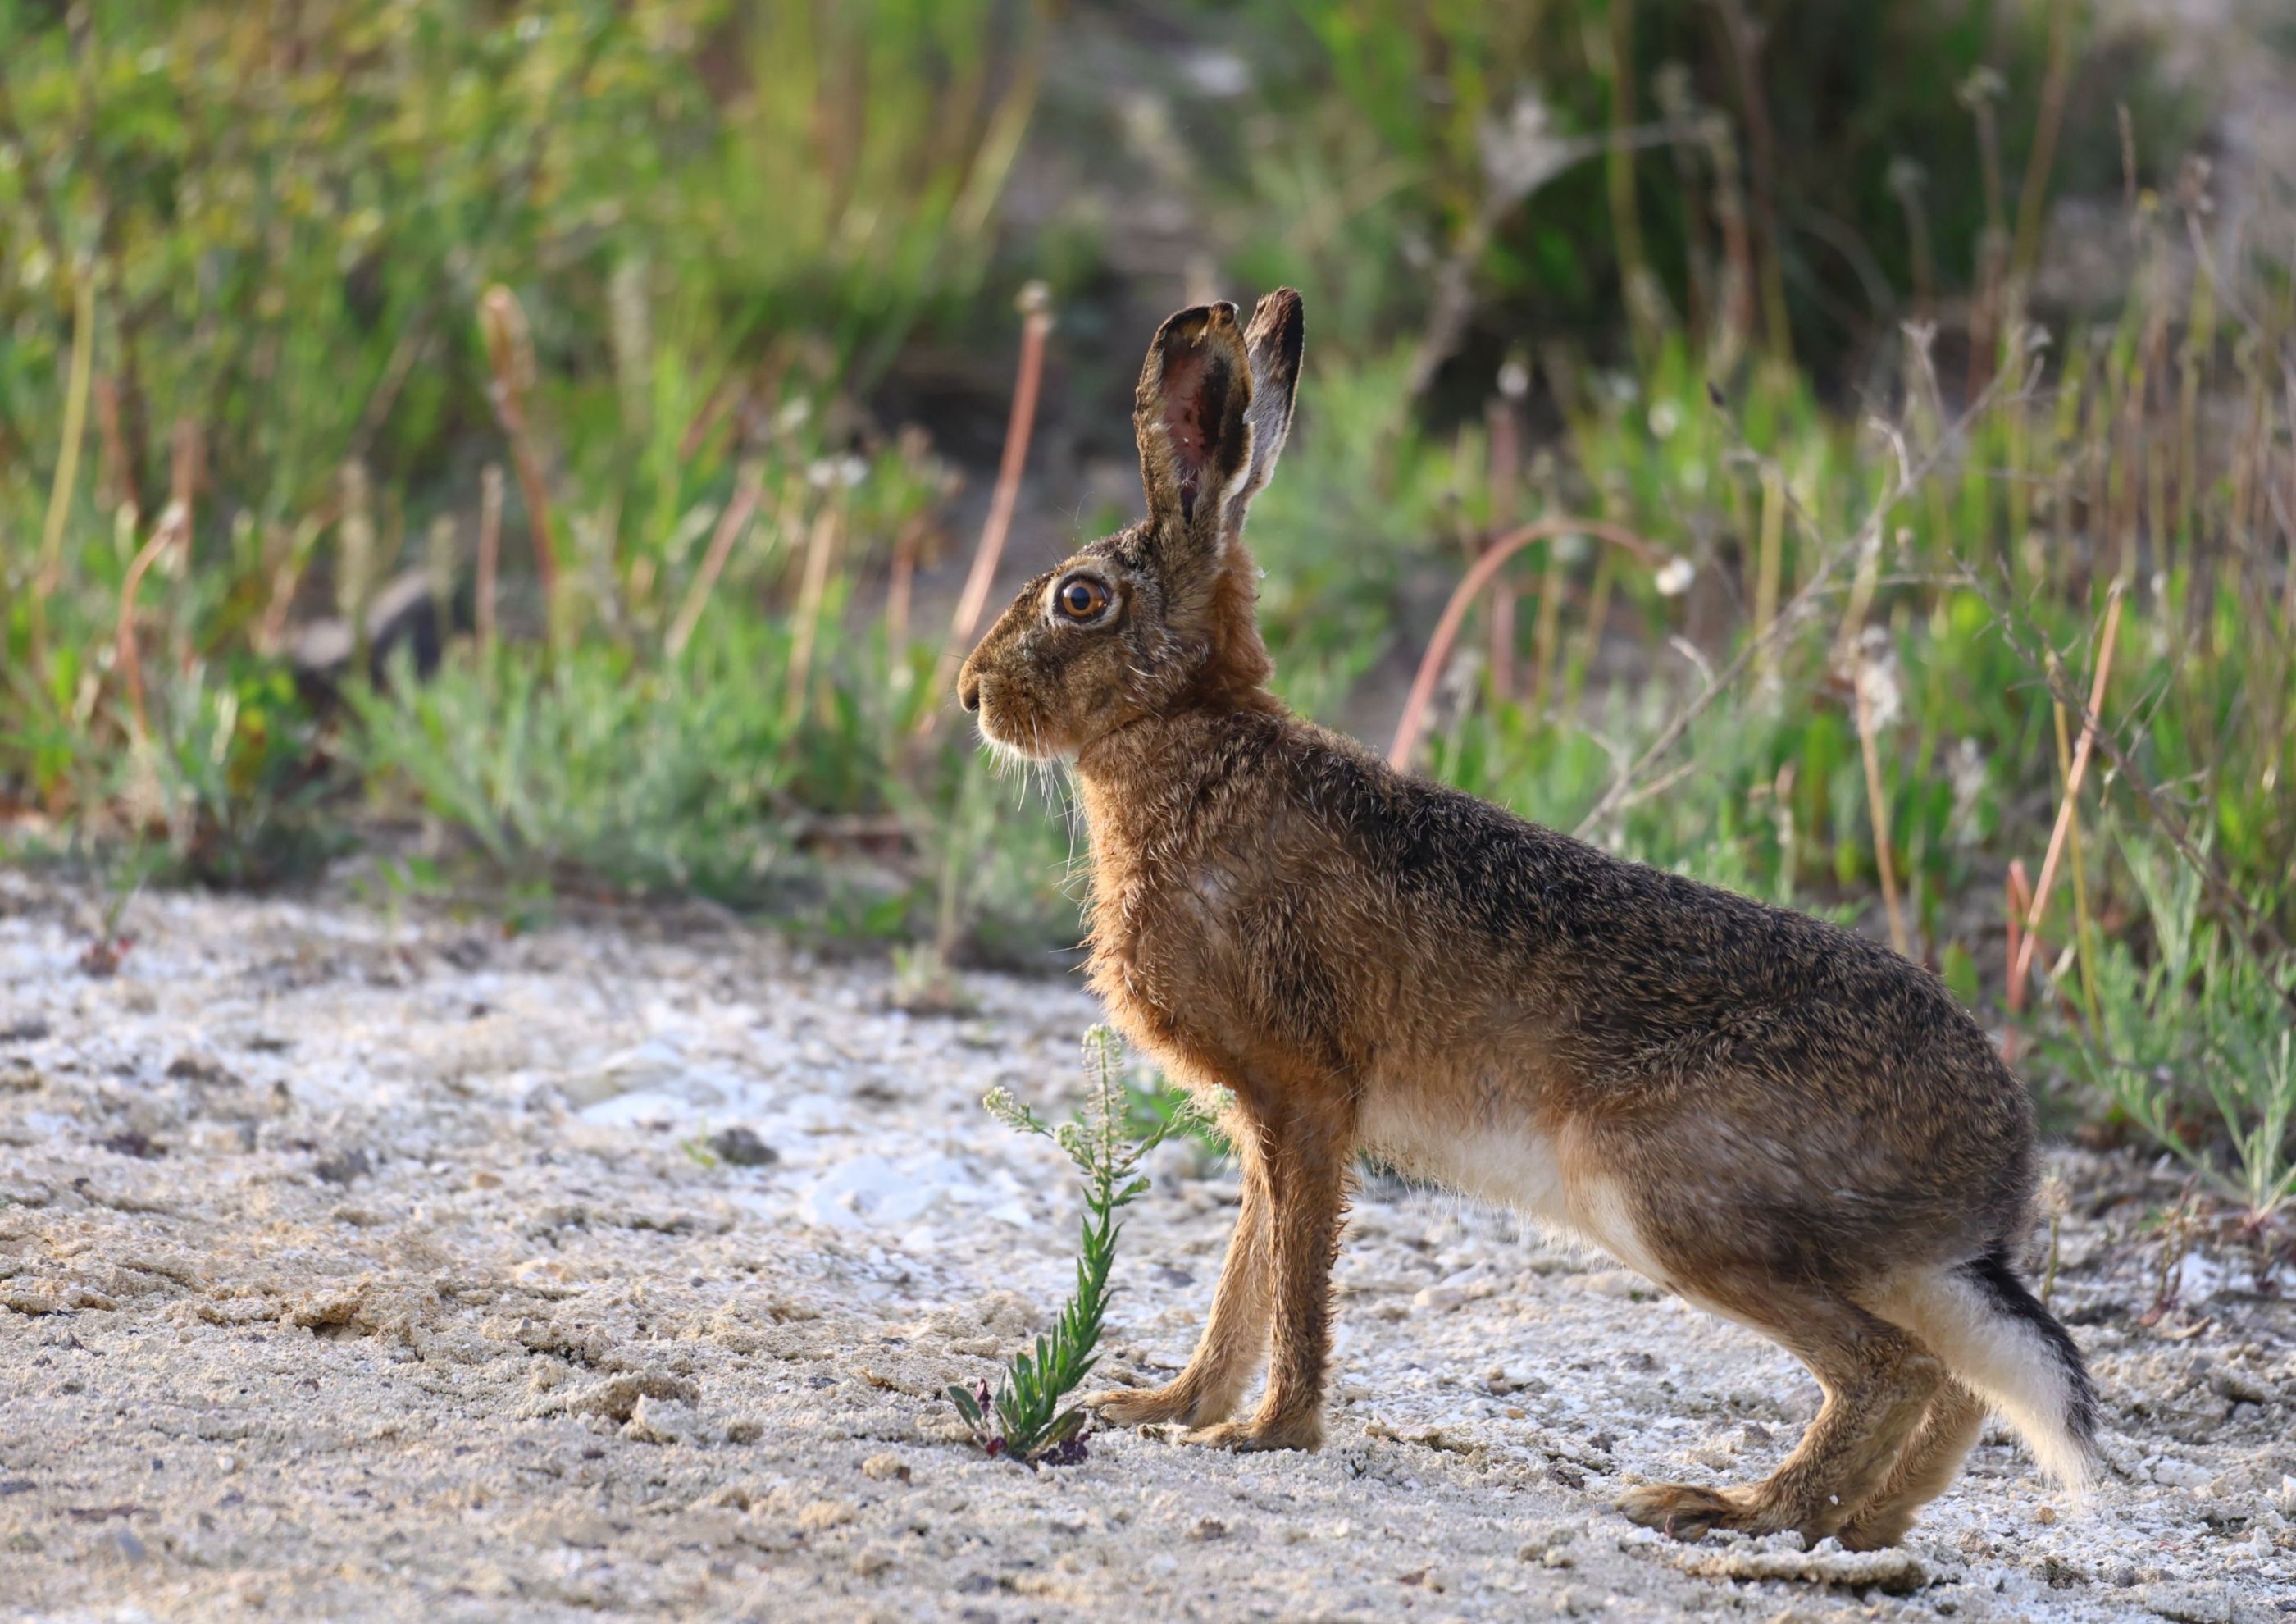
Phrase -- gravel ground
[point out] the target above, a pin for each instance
(361, 1266)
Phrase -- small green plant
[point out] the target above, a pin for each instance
(1158, 1109)
(127, 874)
(649, 777)
(1023, 1418)
(395, 882)
(2200, 1011)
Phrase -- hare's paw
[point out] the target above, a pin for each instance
(1877, 1530)
(1682, 1511)
(1140, 1407)
(1301, 1432)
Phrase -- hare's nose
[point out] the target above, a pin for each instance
(968, 689)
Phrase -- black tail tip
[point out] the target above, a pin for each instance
(1995, 1276)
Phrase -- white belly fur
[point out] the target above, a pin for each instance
(1513, 1168)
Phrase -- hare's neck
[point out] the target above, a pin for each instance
(1149, 789)
(1152, 795)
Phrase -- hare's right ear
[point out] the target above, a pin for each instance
(1212, 410)
(1191, 418)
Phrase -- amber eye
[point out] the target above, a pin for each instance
(1081, 597)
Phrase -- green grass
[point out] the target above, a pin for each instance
(2191, 1042)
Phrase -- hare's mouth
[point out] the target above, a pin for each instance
(1009, 738)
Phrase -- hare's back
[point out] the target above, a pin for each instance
(1651, 979)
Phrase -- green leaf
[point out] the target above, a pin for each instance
(1960, 972)
(1068, 1424)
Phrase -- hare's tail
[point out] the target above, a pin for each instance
(1998, 1339)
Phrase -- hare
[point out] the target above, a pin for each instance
(1779, 1121)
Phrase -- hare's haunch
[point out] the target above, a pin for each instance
(1780, 1121)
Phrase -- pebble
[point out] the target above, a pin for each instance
(2192, 1603)
(821, 1516)
(2283, 1498)
(2172, 1473)
(664, 1421)
(741, 1147)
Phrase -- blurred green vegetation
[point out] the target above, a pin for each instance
(288, 213)
(1627, 168)
(577, 334)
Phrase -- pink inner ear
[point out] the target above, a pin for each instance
(1184, 423)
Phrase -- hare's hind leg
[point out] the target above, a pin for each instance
(1878, 1382)
(1930, 1462)
(1234, 1336)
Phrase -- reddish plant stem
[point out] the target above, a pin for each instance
(820, 544)
(749, 489)
(491, 511)
(2023, 967)
(1447, 629)
(2017, 895)
(510, 354)
(1035, 307)
(1506, 470)
(906, 545)
(128, 656)
(174, 526)
(113, 478)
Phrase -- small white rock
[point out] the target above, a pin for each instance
(2283, 1498)
(2172, 1473)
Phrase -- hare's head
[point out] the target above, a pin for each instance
(1157, 617)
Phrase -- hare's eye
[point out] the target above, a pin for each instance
(1080, 597)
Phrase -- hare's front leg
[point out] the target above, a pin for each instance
(1306, 1174)
(1234, 1337)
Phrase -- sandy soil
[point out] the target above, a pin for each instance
(361, 1267)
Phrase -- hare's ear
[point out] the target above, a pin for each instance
(1274, 341)
(1191, 417)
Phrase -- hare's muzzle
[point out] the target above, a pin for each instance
(968, 688)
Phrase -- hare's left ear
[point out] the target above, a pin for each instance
(1274, 341)
(1212, 408)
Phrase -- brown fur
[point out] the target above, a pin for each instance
(1779, 1120)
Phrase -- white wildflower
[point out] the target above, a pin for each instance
(1876, 676)
(1965, 771)
(1522, 152)
(1217, 73)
